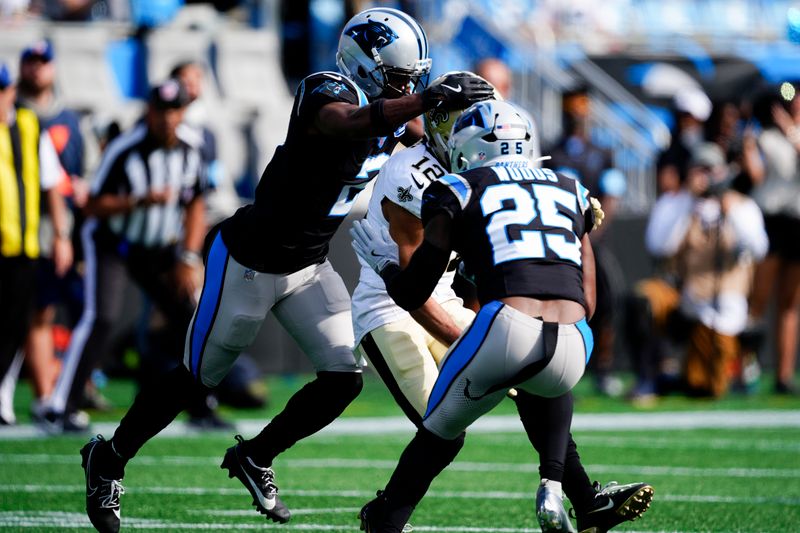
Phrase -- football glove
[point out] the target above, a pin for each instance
(597, 209)
(374, 245)
(457, 91)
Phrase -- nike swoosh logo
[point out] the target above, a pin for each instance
(456, 89)
(267, 503)
(606, 507)
(332, 76)
(373, 254)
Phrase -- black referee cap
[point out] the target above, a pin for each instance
(170, 94)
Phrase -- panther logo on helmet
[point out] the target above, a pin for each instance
(372, 35)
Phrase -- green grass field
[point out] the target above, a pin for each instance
(738, 478)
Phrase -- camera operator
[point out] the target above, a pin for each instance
(711, 236)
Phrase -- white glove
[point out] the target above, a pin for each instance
(599, 214)
(374, 245)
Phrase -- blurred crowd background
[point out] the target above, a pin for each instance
(682, 117)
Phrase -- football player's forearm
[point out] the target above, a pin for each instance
(589, 276)
(437, 322)
(381, 117)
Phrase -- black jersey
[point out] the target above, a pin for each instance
(308, 187)
(518, 230)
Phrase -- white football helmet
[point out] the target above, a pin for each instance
(383, 48)
(438, 122)
(492, 132)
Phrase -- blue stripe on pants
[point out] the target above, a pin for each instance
(209, 300)
(588, 338)
(463, 353)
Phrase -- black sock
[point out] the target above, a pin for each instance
(547, 422)
(156, 405)
(576, 483)
(311, 408)
(106, 461)
(422, 460)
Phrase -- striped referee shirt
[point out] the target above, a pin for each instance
(135, 164)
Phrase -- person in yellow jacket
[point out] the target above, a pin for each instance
(28, 167)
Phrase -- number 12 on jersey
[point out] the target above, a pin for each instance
(532, 243)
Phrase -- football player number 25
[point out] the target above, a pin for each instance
(531, 244)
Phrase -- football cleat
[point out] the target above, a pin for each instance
(102, 492)
(260, 481)
(374, 516)
(550, 509)
(615, 504)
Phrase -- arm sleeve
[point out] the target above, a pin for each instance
(410, 288)
(50, 170)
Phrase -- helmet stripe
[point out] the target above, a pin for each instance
(418, 31)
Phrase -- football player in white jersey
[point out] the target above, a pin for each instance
(405, 347)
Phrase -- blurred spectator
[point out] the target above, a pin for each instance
(13, 9)
(724, 128)
(692, 108)
(35, 90)
(496, 72)
(577, 156)
(65, 10)
(221, 200)
(777, 192)
(712, 235)
(148, 226)
(28, 164)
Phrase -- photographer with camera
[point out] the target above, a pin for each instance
(710, 236)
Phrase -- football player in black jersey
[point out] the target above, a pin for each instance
(271, 255)
(523, 231)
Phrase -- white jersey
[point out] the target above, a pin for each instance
(402, 181)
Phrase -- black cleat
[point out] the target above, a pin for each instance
(258, 480)
(615, 504)
(102, 493)
(374, 517)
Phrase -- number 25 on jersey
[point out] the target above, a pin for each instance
(531, 243)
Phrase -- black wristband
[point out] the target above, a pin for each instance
(378, 118)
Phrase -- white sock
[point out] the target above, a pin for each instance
(554, 486)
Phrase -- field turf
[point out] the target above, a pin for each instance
(734, 466)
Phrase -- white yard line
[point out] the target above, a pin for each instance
(55, 519)
(497, 424)
(366, 494)
(458, 466)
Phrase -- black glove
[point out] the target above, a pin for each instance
(457, 91)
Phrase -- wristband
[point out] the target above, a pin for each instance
(190, 258)
(378, 118)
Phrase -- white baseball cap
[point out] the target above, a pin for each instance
(693, 101)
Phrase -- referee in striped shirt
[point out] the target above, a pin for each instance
(147, 224)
